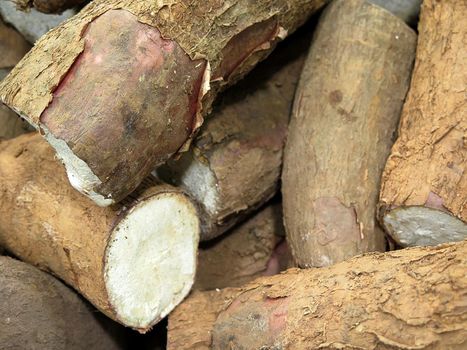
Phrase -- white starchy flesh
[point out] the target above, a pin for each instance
(422, 226)
(151, 259)
(199, 180)
(79, 174)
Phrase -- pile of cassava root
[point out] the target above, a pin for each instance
(233, 174)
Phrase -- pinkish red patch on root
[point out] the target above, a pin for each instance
(279, 259)
(244, 44)
(334, 222)
(127, 103)
(434, 201)
(278, 314)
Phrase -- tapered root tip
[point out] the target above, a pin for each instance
(422, 226)
(151, 259)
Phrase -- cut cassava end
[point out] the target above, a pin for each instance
(252, 249)
(134, 262)
(153, 251)
(125, 84)
(424, 187)
(235, 161)
(408, 299)
(420, 226)
(40, 312)
(346, 110)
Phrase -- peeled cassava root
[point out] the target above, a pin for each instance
(346, 109)
(48, 6)
(424, 185)
(408, 299)
(123, 85)
(134, 262)
(12, 48)
(40, 312)
(252, 249)
(234, 164)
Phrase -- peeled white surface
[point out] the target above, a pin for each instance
(79, 174)
(151, 259)
(422, 226)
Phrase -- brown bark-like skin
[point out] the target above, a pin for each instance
(408, 299)
(160, 94)
(45, 222)
(246, 252)
(40, 312)
(427, 165)
(241, 145)
(346, 110)
(48, 6)
(12, 47)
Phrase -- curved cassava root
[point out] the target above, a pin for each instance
(346, 110)
(254, 248)
(134, 262)
(424, 185)
(39, 312)
(408, 299)
(12, 47)
(234, 164)
(123, 85)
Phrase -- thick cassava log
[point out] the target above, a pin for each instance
(235, 162)
(346, 110)
(423, 198)
(12, 48)
(48, 6)
(32, 24)
(123, 85)
(134, 262)
(408, 299)
(255, 248)
(39, 312)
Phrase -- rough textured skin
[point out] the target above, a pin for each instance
(427, 165)
(408, 299)
(241, 144)
(231, 36)
(39, 312)
(46, 223)
(49, 6)
(243, 254)
(346, 110)
(12, 47)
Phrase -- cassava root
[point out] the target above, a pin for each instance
(234, 164)
(123, 85)
(346, 110)
(253, 249)
(134, 261)
(39, 312)
(424, 185)
(408, 299)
